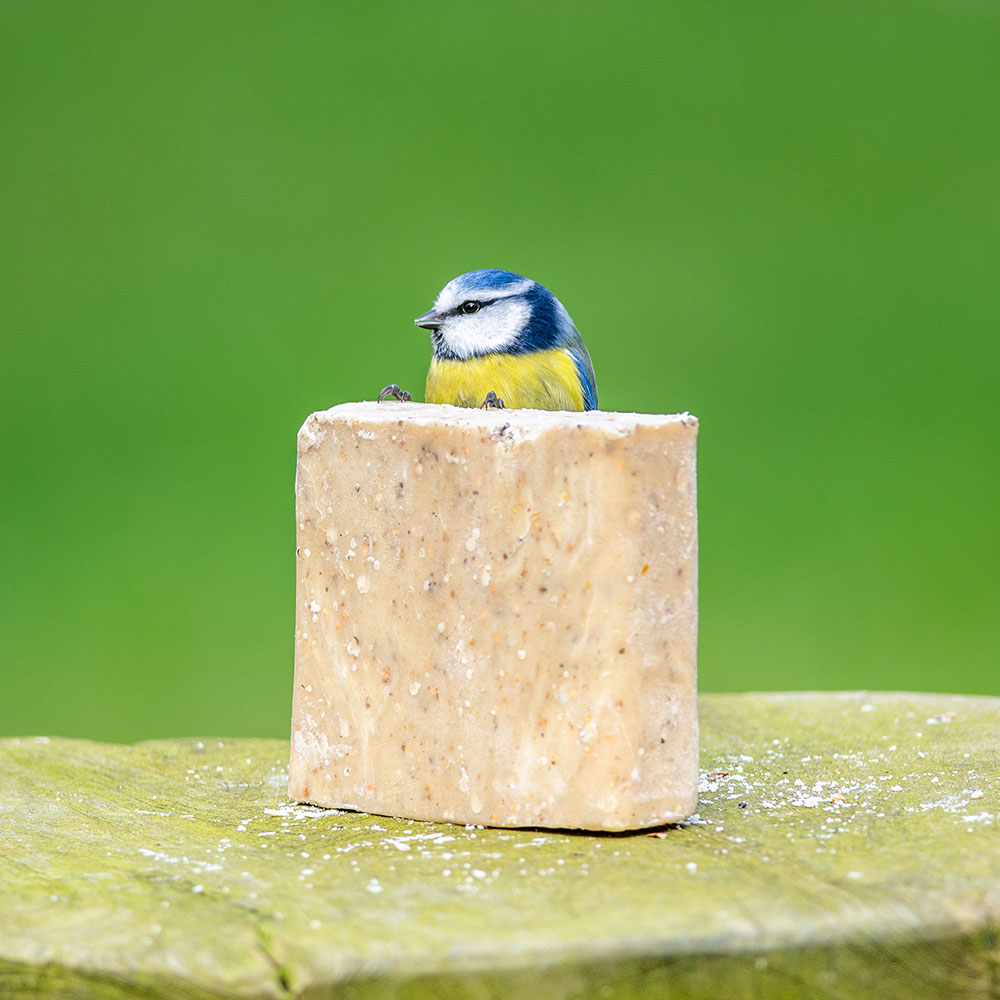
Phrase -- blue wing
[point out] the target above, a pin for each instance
(585, 371)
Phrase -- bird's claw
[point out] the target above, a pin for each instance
(393, 390)
(492, 402)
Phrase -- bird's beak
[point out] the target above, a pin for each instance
(429, 321)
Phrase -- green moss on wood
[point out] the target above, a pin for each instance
(845, 845)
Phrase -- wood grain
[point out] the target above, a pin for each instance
(846, 845)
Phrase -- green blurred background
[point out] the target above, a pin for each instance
(216, 218)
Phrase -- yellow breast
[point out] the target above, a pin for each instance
(541, 380)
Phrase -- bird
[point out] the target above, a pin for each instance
(502, 340)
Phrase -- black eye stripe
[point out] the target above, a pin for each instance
(460, 309)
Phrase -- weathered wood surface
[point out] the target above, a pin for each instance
(847, 845)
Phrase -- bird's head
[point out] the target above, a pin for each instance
(491, 311)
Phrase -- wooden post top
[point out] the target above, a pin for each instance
(844, 843)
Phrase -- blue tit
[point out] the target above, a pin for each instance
(500, 339)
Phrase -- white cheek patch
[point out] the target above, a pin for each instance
(493, 328)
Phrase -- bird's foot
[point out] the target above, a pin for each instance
(492, 402)
(393, 390)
